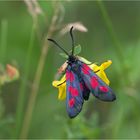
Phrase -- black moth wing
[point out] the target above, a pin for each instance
(74, 91)
(97, 87)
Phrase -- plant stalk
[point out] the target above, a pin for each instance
(38, 75)
(116, 42)
(3, 41)
(22, 89)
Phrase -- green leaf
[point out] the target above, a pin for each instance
(63, 55)
(84, 60)
(77, 50)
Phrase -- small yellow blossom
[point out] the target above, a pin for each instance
(99, 70)
(61, 85)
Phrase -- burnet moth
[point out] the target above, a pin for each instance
(81, 81)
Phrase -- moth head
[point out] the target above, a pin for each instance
(71, 59)
(70, 56)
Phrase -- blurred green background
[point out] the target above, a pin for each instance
(29, 107)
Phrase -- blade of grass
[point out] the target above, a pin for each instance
(117, 45)
(38, 75)
(3, 40)
(120, 56)
(22, 89)
(110, 28)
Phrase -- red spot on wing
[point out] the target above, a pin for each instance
(85, 69)
(71, 102)
(103, 88)
(73, 91)
(70, 76)
(94, 82)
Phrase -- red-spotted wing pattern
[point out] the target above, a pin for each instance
(80, 81)
(85, 90)
(99, 89)
(77, 91)
(74, 98)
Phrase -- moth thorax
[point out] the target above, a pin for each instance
(71, 59)
(75, 67)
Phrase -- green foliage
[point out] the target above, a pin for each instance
(63, 55)
(77, 50)
(110, 35)
(81, 128)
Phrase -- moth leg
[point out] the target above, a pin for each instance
(61, 83)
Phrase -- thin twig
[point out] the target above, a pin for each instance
(38, 75)
(22, 89)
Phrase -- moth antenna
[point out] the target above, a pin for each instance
(72, 38)
(58, 46)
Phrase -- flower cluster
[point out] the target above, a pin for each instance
(8, 74)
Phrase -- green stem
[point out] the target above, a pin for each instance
(38, 75)
(116, 42)
(109, 26)
(22, 90)
(33, 95)
(3, 41)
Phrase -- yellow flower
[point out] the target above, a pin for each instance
(61, 85)
(99, 70)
